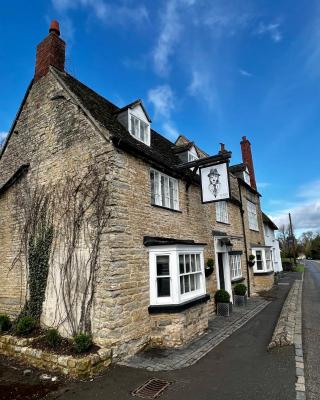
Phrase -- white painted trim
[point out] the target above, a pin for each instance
(173, 251)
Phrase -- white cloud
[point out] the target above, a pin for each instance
(305, 213)
(170, 131)
(107, 13)
(263, 184)
(245, 73)
(162, 99)
(169, 35)
(271, 29)
(203, 87)
(3, 136)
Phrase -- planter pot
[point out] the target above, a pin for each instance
(208, 271)
(240, 300)
(224, 309)
(251, 263)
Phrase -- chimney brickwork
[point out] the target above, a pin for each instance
(247, 159)
(51, 51)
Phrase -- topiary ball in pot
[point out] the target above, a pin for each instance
(240, 289)
(222, 296)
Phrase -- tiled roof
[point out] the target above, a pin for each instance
(269, 222)
(105, 112)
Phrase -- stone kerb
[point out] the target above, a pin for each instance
(75, 367)
(283, 334)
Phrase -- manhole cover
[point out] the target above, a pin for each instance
(151, 389)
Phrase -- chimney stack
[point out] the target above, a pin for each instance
(247, 159)
(51, 51)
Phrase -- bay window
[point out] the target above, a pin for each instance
(263, 260)
(164, 190)
(176, 274)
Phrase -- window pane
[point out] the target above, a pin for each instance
(181, 284)
(162, 265)
(186, 284)
(193, 263)
(163, 287)
(197, 281)
(152, 187)
(192, 284)
(181, 263)
(198, 262)
(187, 258)
(259, 260)
(171, 184)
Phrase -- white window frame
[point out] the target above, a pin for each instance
(246, 177)
(192, 157)
(235, 266)
(252, 216)
(173, 251)
(166, 195)
(222, 214)
(267, 263)
(140, 123)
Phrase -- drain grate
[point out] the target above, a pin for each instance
(151, 389)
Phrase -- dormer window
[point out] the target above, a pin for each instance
(192, 157)
(139, 129)
(246, 177)
(136, 120)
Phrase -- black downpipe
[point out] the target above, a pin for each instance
(245, 240)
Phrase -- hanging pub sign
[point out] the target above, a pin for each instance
(215, 182)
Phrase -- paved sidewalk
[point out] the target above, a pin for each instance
(219, 329)
(239, 368)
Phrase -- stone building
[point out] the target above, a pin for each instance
(131, 236)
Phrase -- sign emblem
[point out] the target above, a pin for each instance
(215, 182)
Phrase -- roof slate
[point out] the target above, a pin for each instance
(105, 112)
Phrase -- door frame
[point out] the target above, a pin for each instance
(226, 267)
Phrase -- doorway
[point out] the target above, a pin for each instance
(221, 271)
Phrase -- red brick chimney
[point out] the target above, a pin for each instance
(51, 51)
(247, 159)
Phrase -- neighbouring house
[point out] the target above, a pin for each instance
(270, 239)
(102, 227)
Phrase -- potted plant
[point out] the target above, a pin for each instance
(240, 294)
(251, 260)
(209, 267)
(223, 305)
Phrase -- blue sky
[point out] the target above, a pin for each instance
(213, 70)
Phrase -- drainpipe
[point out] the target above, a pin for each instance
(245, 239)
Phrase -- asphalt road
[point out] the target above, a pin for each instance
(240, 368)
(311, 328)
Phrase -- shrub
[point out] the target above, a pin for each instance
(287, 266)
(252, 257)
(25, 325)
(52, 337)
(5, 322)
(82, 342)
(240, 289)
(222, 296)
(210, 263)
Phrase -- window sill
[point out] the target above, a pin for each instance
(263, 273)
(166, 208)
(177, 308)
(223, 223)
(237, 280)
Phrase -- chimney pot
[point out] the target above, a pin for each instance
(54, 27)
(222, 148)
(51, 51)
